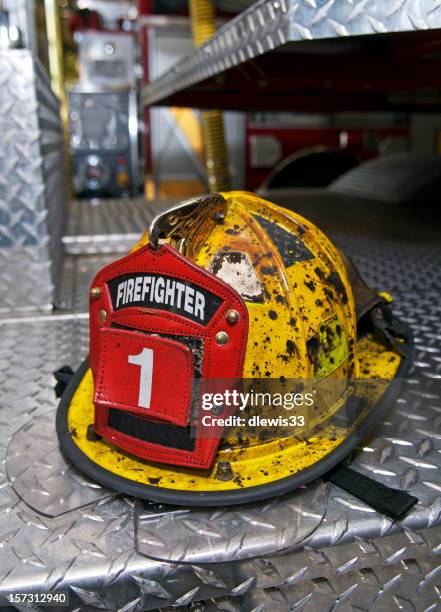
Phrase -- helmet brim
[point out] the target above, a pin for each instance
(254, 480)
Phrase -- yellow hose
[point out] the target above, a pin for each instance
(216, 158)
(202, 20)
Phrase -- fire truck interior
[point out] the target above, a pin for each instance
(114, 111)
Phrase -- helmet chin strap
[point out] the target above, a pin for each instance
(390, 502)
(365, 298)
(372, 309)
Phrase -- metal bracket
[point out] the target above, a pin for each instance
(182, 215)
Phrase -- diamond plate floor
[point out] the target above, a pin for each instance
(356, 560)
(105, 226)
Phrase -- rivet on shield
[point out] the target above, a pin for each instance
(102, 315)
(95, 292)
(232, 317)
(172, 219)
(91, 435)
(224, 471)
(219, 217)
(221, 337)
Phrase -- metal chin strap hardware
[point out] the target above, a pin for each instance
(392, 329)
(181, 218)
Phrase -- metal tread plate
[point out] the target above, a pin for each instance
(269, 24)
(406, 586)
(200, 535)
(105, 226)
(90, 551)
(32, 185)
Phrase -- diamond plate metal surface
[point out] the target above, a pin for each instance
(32, 185)
(78, 273)
(259, 529)
(408, 586)
(41, 477)
(357, 559)
(268, 24)
(106, 226)
(97, 234)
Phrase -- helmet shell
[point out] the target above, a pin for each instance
(302, 321)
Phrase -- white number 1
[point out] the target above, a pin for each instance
(145, 360)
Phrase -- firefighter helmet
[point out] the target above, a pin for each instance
(225, 291)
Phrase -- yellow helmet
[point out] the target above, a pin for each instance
(228, 295)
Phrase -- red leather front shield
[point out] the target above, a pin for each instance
(130, 362)
(153, 334)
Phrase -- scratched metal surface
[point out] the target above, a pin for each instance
(189, 535)
(41, 477)
(268, 24)
(356, 558)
